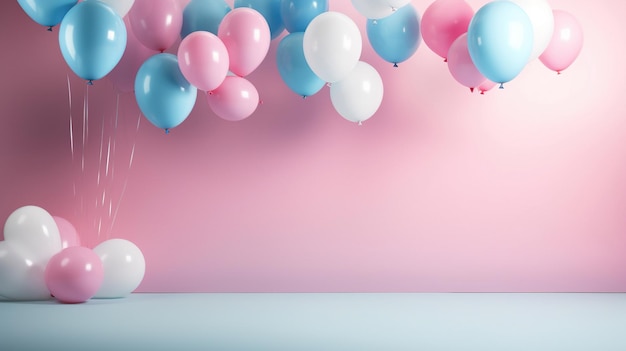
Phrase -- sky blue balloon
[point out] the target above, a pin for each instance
(500, 40)
(92, 37)
(270, 9)
(293, 68)
(396, 37)
(203, 15)
(48, 13)
(163, 94)
(297, 14)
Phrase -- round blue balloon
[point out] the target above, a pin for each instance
(92, 37)
(500, 40)
(270, 9)
(48, 13)
(297, 14)
(163, 94)
(293, 68)
(205, 15)
(396, 37)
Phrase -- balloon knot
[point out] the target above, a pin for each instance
(445, 59)
(482, 92)
(210, 92)
(167, 130)
(558, 72)
(304, 97)
(90, 82)
(49, 28)
(471, 90)
(393, 9)
(329, 84)
(501, 86)
(395, 64)
(374, 22)
(360, 123)
(260, 102)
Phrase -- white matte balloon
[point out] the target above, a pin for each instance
(121, 7)
(374, 9)
(21, 275)
(358, 96)
(332, 45)
(34, 230)
(542, 19)
(124, 267)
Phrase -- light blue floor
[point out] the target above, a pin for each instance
(321, 322)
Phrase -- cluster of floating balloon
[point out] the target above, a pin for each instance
(41, 256)
(219, 47)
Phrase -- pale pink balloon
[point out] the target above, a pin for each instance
(235, 99)
(443, 22)
(203, 60)
(67, 231)
(247, 37)
(123, 75)
(486, 86)
(566, 42)
(156, 23)
(461, 66)
(74, 275)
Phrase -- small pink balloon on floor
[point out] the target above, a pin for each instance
(74, 275)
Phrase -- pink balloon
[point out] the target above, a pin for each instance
(68, 233)
(566, 42)
(235, 99)
(247, 37)
(156, 23)
(123, 75)
(443, 22)
(461, 66)
(74, 275)
(203, 60)
(486, 86)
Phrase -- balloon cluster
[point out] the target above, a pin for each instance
(495, 43)
(219, 47)
(41, 256)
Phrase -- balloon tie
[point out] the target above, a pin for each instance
(445, 59)
(558, 72)
(471, 90)
(395, 64)
(303, 97)
(501, 86)
(482, 92)
(90, 82)
(167, 130)
(360, 123)
(50, 29)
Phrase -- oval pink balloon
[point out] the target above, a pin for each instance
(123, 75)
(67, 231)
(443, 22)
(74, 275)
(461, 66)
(203, 60)
(566, 42)
(235, 99)
(156, 23)
(247, 37)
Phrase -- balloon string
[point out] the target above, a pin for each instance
(71, 125)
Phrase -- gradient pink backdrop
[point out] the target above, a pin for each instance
(522, 189)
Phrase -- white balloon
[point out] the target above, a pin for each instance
(332, 45)
(374, 9)
(542, 20)
(124, 267)
(35, 231)
(358, 96)
(21, 276)
(121, 7)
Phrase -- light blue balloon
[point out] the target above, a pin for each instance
(48, 13)
(396, 37)
(163, 94)
(500, 40)
(270, 9)
(293, 68)
(203, 15)
(297, 14)
(92, 37)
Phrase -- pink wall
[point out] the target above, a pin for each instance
(522, 189)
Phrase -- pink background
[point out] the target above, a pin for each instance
(522, 189)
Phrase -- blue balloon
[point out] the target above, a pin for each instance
(297, 14)
(92, 37)
(270, 9)
(48, 13)
(396, 37)
(500, 40)
(163, 94)
(293, 68)
(203, 15)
